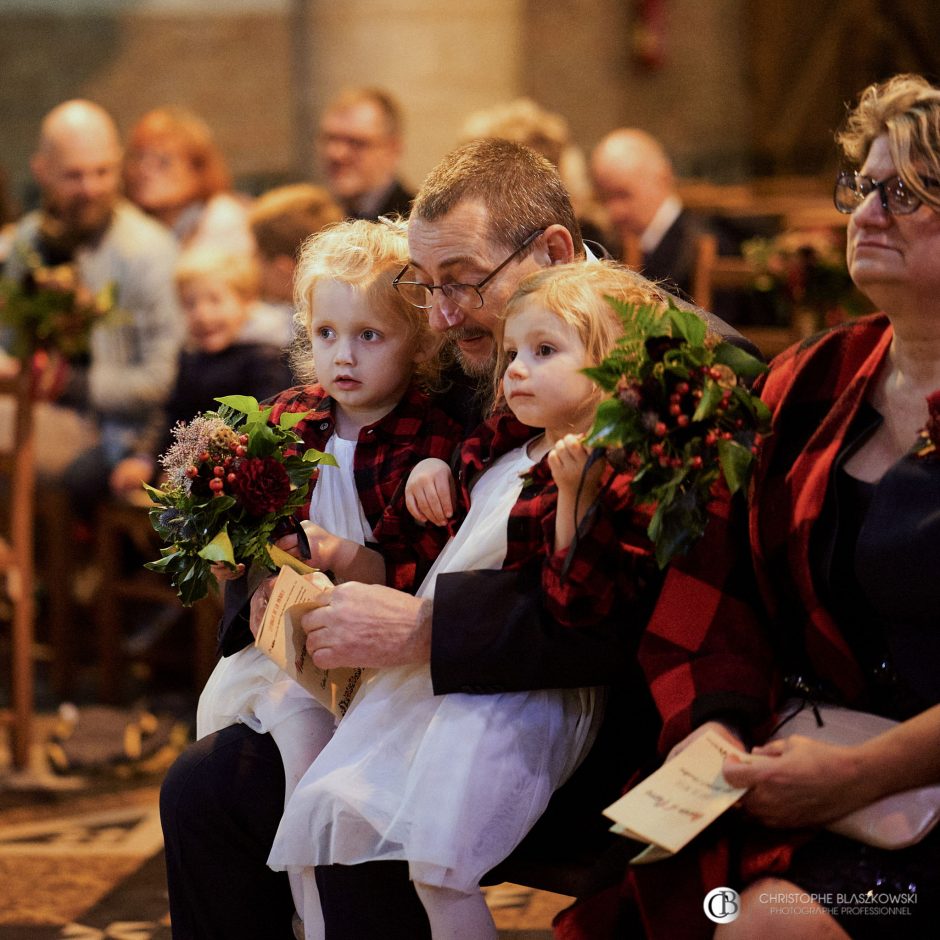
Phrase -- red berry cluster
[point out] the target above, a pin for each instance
(217, 471)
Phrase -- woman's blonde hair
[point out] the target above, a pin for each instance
(367, 256)
(905, 109)
(238, 271)
(577, 293)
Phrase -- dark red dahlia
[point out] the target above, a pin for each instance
(261, 485)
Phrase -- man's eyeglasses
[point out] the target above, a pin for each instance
(357, 144)
(465, 296)
(852, 189)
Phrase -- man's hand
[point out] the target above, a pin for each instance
(368, 625)
(430, 492)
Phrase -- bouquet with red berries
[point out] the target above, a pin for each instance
(233, 479)
(679, 416)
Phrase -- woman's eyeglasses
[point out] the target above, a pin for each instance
(852, 189)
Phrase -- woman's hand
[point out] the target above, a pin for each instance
(795, 782)
(430, 492)
(721, 730)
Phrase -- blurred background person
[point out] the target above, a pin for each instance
(281, 220)
(360, 148)
(175, 171)
(524, 121)
(634, 181)
(223, 354)
(103, 399)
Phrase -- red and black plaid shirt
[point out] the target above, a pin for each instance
(612, 560)
(386, 452)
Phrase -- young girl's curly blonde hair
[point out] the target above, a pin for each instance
(367, 256)
(576, 293)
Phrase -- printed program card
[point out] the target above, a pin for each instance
(282, 639)
(674, 804)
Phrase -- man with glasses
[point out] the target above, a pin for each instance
(488, 215)
(360, 147)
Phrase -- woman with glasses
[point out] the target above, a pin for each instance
(822, 588)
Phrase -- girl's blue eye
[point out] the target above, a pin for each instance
(324, 332)
(370, 335)
(510, 355)
(545, 350)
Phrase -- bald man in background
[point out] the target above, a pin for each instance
(634, 181)
(105, 400)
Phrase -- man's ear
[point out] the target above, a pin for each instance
(559, 244)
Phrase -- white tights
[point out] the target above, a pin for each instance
(454, 915)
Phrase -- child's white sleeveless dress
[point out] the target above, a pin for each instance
(450, 783)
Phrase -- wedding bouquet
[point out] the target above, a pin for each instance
(233, 482)
(48, 309)
(679, 416)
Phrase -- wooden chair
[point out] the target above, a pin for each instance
(714, 272)
(17, 466)
(122, 526)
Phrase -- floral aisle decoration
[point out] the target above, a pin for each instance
(805, 272)
(679, 418)
(233, 481)
(49, 310)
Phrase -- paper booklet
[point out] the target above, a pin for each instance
(674, 804)
(282, 639)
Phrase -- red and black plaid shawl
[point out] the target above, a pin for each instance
(386, 452)
(732, 610)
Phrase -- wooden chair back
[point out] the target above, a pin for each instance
(715, 272)
(18, 481)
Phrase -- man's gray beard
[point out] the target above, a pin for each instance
(473, 368)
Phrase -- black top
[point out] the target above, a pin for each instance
(875, 554)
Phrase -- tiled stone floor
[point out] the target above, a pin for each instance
(80, 859)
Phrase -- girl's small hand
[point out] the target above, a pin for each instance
(259, 603)
(567, 460)
(226, 573)
(430, 492)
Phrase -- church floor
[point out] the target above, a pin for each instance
(81, 856)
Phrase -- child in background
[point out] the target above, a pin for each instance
(218, 293)
(281, 220)
(373, 356)
(452, 783)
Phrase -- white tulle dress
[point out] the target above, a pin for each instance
(248, 687)
(450, 783)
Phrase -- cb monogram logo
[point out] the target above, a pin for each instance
(722, 905)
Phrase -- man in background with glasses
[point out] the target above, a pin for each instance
(360, 147)
(488, 215)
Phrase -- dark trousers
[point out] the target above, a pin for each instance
(220, 805)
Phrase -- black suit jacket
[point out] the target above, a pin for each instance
(397, 202)
(673, 259)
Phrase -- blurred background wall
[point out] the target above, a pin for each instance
(732, 87)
